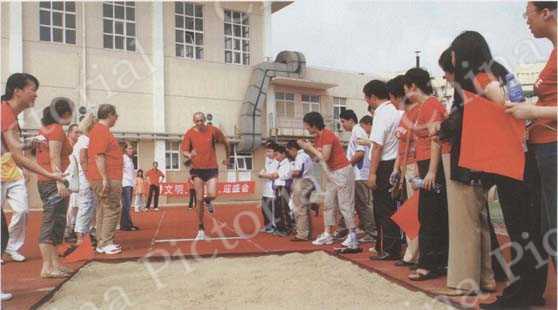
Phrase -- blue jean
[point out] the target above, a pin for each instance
(125, 219)
(545, 155)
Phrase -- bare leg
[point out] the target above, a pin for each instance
(198, 186)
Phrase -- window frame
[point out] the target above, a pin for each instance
(282, 100)
(310, 103)
(51, 27)
(243, 38)
(341, 104)
(170, 151)
(184, 29)
(125, 24)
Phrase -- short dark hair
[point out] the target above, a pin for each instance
(395, 86)
(421, 79)
(292, 144)
(349, 115)
(280, 149)
(18, 81)
(314, 119)
(139, 171)
(72, 126)
(541, 5)
(105, 110)
(366, 119)
(377, 88)
(445, 61)
(270, 145)
(52, 114)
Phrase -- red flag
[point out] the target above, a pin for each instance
(407, 216)
(83, 252)
(492, 141)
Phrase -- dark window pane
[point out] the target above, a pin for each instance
(58, 5)
(44, 17)
(45, 33)
(57, 19)
(131, 44)
(71, 36)
(245, 19)
(130, 3)
(57, 35)
(236, 17)
(246, 59)
(199, 53)
(179, 50)
(131, 29)
(237, 44)
(189, 23)
(119, 12)
(228, 29)
(179, 36)
(199, 24)
(179, 7)
(228, 43)
(245, 32)
(189, 9)
(237, 31)
(227, 16)
(189, 52)
(119, 42)
(70, 6)
(107, 26)
(107, 41)
(199, 11)
(199, 39)
(130, 14)
(237, 58)
(107, 10)
(70, 21)
(189, 38)
(228, 56)
(179, 21)
(245, 46)
(45, 4)
(119, 27)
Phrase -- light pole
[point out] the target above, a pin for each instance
(418, 58)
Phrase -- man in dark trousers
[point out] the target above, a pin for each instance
(154, 177)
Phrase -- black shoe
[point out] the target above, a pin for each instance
(384, 257)
(402, 263)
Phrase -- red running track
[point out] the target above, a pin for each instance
(22, 279)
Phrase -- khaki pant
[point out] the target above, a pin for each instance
(469, 263)
(340, 195)
(302, 189)
(412, 251)
(108, 211)
(363, 206)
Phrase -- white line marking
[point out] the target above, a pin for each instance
(158, 228)
(193, 239)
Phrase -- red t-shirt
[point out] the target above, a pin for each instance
(53, 132)
(545, 89)
(102, 142)
(406, 136)
(203, 142)
(337, 159)
(430, 111)
(154, 175)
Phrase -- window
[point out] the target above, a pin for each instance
(237, 38)
(284, 104)
(339, 105)
(119, 25)
(188, 18)
(240, 162)
(310, 103)
(57, 21)
(172, 155)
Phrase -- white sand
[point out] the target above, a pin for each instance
(292, 281)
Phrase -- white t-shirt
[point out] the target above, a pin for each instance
(284, 171)
(386, 121)
(270, 167)
(303, 163)
(128, 173)
(82, 143)
(362, 168)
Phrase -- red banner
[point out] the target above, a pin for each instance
(223, 189)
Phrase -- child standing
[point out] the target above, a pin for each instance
(139, 191)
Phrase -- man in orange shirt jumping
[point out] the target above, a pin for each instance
(154, 178)
(198, 146)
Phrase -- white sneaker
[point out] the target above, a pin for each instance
(16, 257)
(351, 241)
(201, 235)
(110, 249)
(6, 296)
(322, 239)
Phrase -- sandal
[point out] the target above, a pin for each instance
(65, 269)
(417, 276)
(57, 274)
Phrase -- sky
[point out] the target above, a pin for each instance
(381, 37)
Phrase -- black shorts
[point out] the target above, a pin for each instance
(204, 174)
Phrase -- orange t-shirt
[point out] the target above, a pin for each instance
(154, 176)
(337, 159)
(430, 111)
(102, 142)
(545, 89)
(204, 145)
(53, 132)
(405, 136)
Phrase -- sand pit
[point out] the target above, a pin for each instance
(292, 281)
